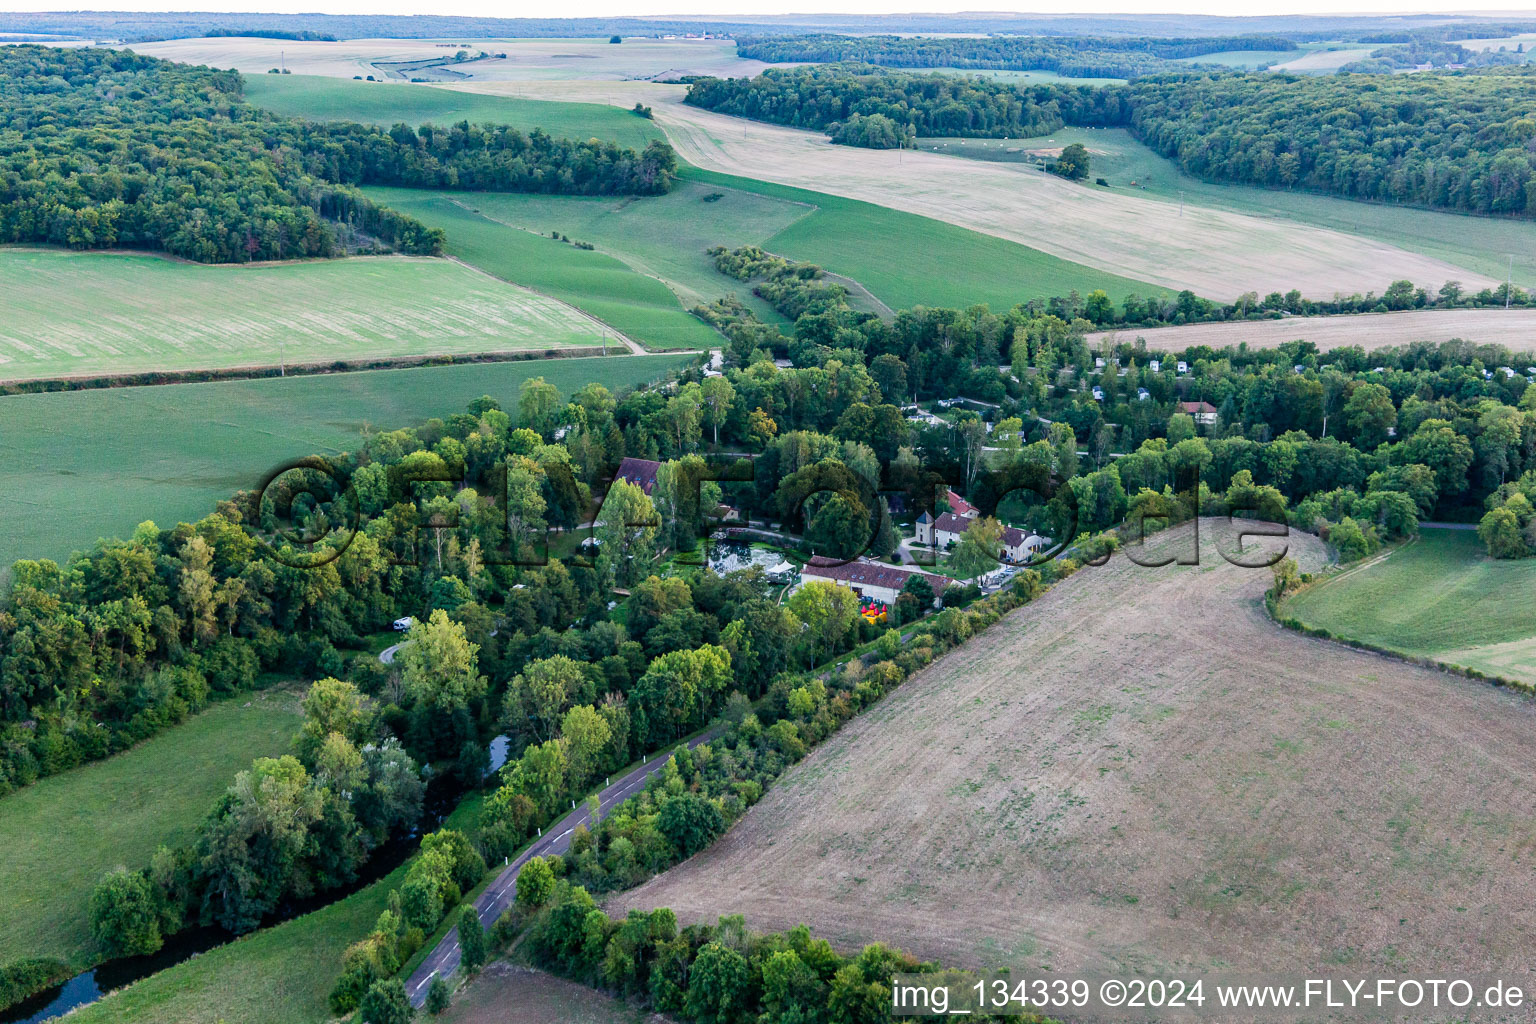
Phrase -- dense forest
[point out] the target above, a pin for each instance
(1072, 56)
(1455, 141)
(102, 148)
(918, 103)
(1449, 141)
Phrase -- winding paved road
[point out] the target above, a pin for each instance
(501, 893)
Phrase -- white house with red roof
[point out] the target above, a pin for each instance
(874, 580)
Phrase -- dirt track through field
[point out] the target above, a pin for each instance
(1515, 328)
(1142, 771)
(1217, 253)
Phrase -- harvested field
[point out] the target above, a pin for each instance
(1217, 253)
(71, 314)
(1324, 61)
(506, 994)
(1141, 771)
(526, 58)
(1513, 327)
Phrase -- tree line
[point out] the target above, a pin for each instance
(1456, 141)
(1070, 56)
(917, 103)
(179, 162)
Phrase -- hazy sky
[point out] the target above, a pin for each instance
(597, 8)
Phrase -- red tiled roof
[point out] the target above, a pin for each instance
(959, 505)
(1197, 407)
(870, 574)
(640, 472)
(951, 522)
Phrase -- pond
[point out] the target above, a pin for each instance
(730, 555)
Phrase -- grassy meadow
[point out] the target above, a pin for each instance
(600, 284)
(88, 313)
(662, 237)
(75, 466)
(1441, 597)
(1480, 244)
(341, 99)
(64, 832)
(909, 260)
(283, 973)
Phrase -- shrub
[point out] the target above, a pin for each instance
(124, 919)
(25, 978)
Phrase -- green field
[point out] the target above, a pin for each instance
(1482, 244)
(341, 99)
(283, 973)
(76, 466)
(908, 260)
(64, 832)
(664, 237)
(598, 283)
(88, 313)
(1440, 596)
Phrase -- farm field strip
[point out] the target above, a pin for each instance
(531, 59)
(100, 313)
(319, 98)
(1214, 252)
(117, 811)
(1513, 327)
(1325, 61)
(75, 466)
(1480, 244)
(1440, 596)
(1142, 771)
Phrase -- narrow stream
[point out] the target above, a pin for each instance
(88, 986)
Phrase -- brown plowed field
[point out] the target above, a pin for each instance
(1139, 771)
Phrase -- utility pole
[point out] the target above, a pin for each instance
(1509, 283)
(282, 60)
(282, 360)
(1181, 202)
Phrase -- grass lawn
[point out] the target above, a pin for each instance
(598, 283)
(1440, 596)
(339, 99)
(81, 313)
(75, 466)
(1477, 243)
(279, 974)
(908, 260)
(61, 834)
